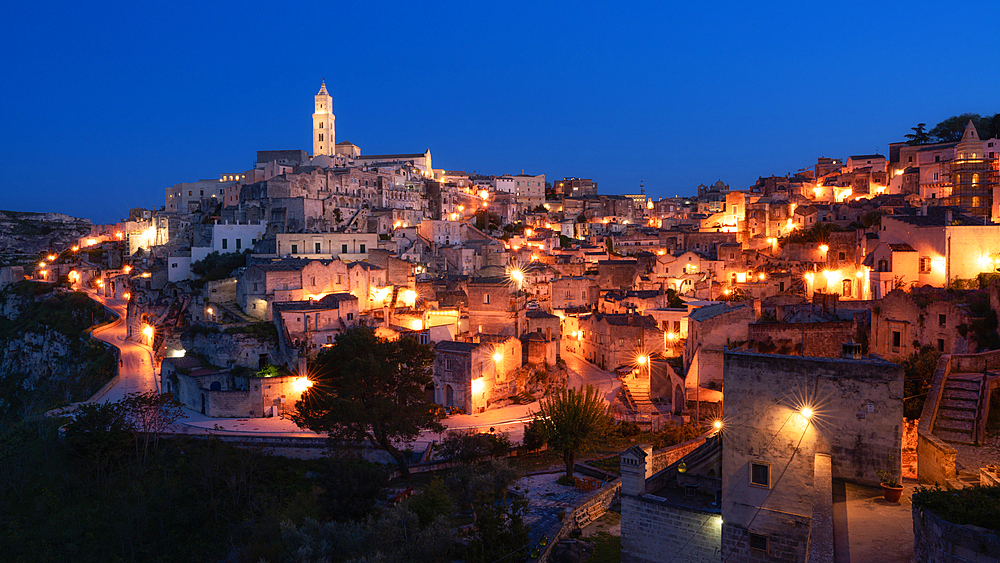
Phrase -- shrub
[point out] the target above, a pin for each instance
(977, 506)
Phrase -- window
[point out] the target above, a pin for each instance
(621, 341)
(935, 176)
(847, 284)
(942, 320)
(925, 264)
(760, 475)
(883, 266)
(896, 339)
(321, 126)
(239, 243)
(758, 542)
(225, 244)
(937, 158)
(781, 286)
(486, 299)
(321, 137)
(940, 345)
(362, 248)
(255, 287)
(350, 316)
(314, 280)
(842, 256)
(339, 279)
(174, 265)
(295, 249)
(343, 249)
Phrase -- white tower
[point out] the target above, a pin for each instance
(323, 131)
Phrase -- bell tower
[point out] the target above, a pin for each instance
(323, 131)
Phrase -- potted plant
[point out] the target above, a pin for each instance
(891, 489)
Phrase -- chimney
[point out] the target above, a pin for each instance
(852, 350)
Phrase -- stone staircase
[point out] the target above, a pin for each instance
(636, 398)
(959, 409)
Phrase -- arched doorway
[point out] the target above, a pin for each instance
(678, 399)
(449, 396)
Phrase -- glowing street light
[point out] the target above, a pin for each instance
(52, 257)
(717, 425)
(147, 331)
(498, 356)
(301, 384)
(806, 412)
(641, 360)
(824, 248)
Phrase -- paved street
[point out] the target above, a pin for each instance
(136, 372)
(582, 372)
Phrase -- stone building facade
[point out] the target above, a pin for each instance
(771, 443)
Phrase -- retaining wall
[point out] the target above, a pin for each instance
(935, 458)
(936, 539)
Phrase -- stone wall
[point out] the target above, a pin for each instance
(821, 535)
(585, 512)
(230, 349)
(807, 339)
(653, 531)
(667, 456)
(936, 539)
(935, 458)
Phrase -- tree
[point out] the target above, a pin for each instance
(368, 389)
(573, 420)
(919, 135)
(217, 266)
(352, 487)
(918, 370)
(950, 130)
(150, 414)
(470, 447)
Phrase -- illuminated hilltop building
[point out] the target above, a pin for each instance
(973, 176)
(323, 123)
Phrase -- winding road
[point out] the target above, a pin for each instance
(135, 373)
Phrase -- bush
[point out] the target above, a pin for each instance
(470, 447)
(534, 436)
(977, 506)
(217, 266)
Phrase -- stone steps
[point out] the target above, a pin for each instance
(954, 425)
(954, 437)
(957, 414)
(962, 384)
(961, 394)
(959, 404)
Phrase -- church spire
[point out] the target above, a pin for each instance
(970, 132)
(322, 89)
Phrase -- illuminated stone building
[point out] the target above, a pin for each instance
(323, 123)
(973, 176)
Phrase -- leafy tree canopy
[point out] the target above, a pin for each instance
(368, 389)
(217, 266)
(573, 420)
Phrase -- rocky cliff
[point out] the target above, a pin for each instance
(47, 358)
(23, 234)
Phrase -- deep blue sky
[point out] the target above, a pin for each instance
(104, 104)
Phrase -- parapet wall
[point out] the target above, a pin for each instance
(935, 458)
(936, 539)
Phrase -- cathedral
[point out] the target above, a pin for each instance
(325, 144)
(323, 119)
